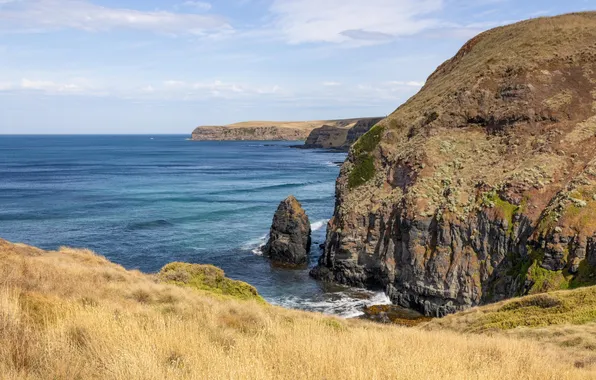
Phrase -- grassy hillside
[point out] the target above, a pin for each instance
(563, 318)
(71, 314)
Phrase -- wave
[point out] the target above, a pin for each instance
(159, 223)
(256, 245)
(318, 224)
(346, 304)
(267, 187)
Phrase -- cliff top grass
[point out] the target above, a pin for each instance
(565, 307)
(565, 318)
(71, 314)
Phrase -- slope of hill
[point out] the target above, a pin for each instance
(71, 314)
(268, 130)
(483, 185)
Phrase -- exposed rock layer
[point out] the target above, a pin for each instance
(483, 185)
(339, 136)
(289, 238)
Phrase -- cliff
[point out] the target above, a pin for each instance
(265, 130)
(483, 185)
(340, 136)
(71, 314)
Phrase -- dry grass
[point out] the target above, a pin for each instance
(71, 314)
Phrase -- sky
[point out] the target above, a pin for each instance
(157, 66)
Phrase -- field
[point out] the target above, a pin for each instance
(71, 314)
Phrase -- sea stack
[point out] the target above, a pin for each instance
(289, 239)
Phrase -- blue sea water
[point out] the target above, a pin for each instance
(144, 201)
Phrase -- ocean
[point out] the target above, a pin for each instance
(145, 201)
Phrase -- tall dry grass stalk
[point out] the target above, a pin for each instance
(73, 315)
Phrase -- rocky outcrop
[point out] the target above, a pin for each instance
(483, 185)
(341, 135)
(327, 136)
(289, 238)
(359, 129)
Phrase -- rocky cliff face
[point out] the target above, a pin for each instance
(289, 238)
(359, 129)
(341, 135)
(483, 185)
(264, 133)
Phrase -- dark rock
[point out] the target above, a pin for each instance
(289, 240)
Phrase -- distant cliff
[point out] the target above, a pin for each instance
(284, 131)
(340, 136)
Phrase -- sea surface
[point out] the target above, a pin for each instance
(145, 201)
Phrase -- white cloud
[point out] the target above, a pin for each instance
(407, 84)
(42, 15)
(355, 21)
(169, 89)
(198, 5)
(48, 86)
(216, 88)
(331, 84)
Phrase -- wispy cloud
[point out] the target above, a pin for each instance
(169, 89)
(344, 21)
(43, 15)
(198, 5)
(407, 84)
(331, 84)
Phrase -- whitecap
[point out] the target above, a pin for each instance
(318, 224)
(255, 245)
(346, 304)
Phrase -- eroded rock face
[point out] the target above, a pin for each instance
(289, 240)
(340, 135)
(483, 185)
(257, 133)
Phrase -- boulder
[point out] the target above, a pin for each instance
(289, 239)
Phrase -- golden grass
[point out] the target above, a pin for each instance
(71, 314)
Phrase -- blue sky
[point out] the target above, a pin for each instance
(156, 66)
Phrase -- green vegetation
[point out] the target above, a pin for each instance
(507, 210)
(556, 308)
(362, 172)
(207, 278)
(546, 280)
(364, 163)
(586, 276)
(369, 141)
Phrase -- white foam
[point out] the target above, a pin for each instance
(341, 304)
(255, 245)
(318, 224)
